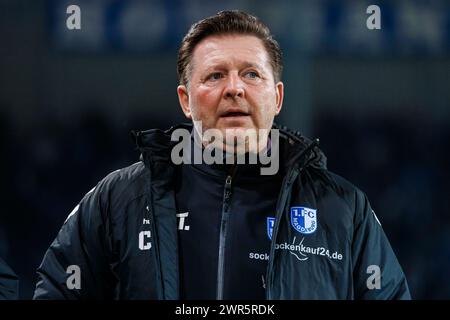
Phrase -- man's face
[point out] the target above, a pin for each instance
(231, 86)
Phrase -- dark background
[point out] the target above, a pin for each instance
(377, 99)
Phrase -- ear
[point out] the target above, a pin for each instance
(279, 88)
(183, 98)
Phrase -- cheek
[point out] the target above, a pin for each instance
(266, 105)
(206, 100)
(204, 104)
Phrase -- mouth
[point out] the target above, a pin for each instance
(234, 114)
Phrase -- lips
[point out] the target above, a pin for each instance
(234, 113)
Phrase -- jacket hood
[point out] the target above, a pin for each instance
(295, 148)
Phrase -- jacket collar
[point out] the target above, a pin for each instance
(155, 145)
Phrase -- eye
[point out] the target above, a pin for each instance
(215, 76)
(251, 75)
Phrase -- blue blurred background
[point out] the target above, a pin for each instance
(379, 100)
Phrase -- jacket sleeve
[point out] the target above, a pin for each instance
(377, 273)
(76, 266)
(9, 283)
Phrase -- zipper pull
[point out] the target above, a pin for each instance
(227, 194)
(228, 188)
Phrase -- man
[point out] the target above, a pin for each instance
(165, 229)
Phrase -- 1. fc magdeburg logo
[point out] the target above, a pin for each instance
(303, 219)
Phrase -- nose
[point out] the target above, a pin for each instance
(234, 87)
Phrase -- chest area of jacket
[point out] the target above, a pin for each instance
(235, 207)
(314, 240)
(313, 227)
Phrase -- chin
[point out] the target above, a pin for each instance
(241, 140)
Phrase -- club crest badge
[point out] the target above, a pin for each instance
(270, 225)
(303, 219)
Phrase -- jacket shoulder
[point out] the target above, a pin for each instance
(343, 188)
(123, 185)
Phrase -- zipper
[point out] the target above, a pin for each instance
(293, 172)
(153, 229)
(279, 213)
(223, 234)
(157, 256)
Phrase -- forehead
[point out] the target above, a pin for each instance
(230, 50)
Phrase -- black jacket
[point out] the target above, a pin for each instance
(123, 235)
(9, 282)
